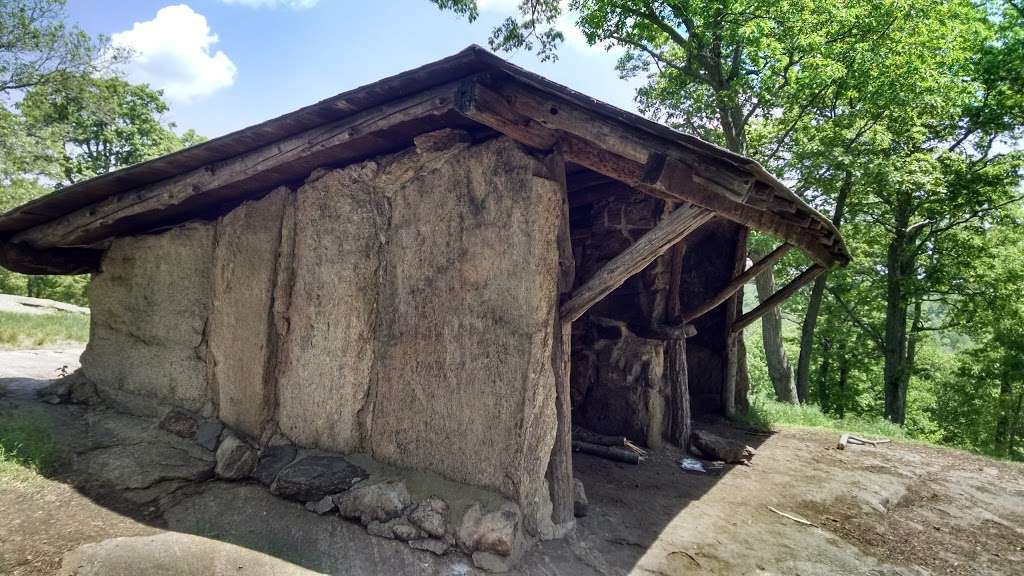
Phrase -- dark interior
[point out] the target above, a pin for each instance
(617, 356)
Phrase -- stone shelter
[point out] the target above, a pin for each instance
(446, 270)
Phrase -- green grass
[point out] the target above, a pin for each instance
(38, 330)
(765, 413)
(27, 448)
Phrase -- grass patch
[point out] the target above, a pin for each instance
(765, 413)
(27, 448)
(38, 330)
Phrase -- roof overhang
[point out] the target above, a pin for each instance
(472, 90)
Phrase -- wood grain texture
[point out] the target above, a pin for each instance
(736, 283)
(654, 243)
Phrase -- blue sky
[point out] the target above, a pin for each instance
(227, 64)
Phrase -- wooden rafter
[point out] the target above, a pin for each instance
(736, 283)
(777, 298)
(236, 177)
(622, 152)
(632, 260)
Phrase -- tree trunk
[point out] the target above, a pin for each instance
(823, 374)
(898, 358)
(1002, 432)
(824, 398)
(803, 366)
(779, 370)
(1016, 426)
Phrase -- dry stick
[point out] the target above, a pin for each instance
(847, 439)
(796, 519)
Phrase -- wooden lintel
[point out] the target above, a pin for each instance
(28, 260)
(546, 122)
(736, 283)
(632, 260)
(778, 298)
(348, 139)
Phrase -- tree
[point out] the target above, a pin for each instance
(66, 130)
(36, 44)
(742, 73)
(95, 125)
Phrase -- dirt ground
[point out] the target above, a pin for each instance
(901, 508)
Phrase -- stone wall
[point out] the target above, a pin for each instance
(147, 340)
(401, 307)
(242, 334)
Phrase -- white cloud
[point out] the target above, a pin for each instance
(173, 52)
(294, 4)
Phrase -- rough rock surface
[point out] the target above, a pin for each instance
(242, 342)
(124, 452)
(495, 532)
(396, 528)
(75, 388)
(327, 356)
(208, 433)
(322, 506)
(580, 504)
(180, 423)
(235, 458)
(626, 394)
(431, 516)
(381, 502)
(435, 545)
(173, 553)
(465, 385)
(149, 311)
(272, 460)
(313, 477)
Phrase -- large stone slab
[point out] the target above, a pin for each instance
(327, 356)
(173, 554)
(149, 310)
(465, 385)
(242, 336)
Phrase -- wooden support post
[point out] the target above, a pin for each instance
(560, 476)
(654, 243)
(734, 341)
(675, 356)
(778, 298)
(736, 283)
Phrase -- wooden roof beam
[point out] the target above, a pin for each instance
(780, 296)
(736, 283)
(247, 174)
(679, 224)
(623, 153)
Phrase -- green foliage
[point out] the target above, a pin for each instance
(766, 412)
(27, 447)
(902, 119)
(36, 43)
(95, 125)
(40, 330)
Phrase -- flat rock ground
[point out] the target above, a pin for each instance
(130, 499)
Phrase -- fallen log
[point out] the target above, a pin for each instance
(847, 439)
(715, 447)
(590, 437)
(609, 452)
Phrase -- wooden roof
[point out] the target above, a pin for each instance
(473, 90)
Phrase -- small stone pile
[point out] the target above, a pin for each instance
(328, 483)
